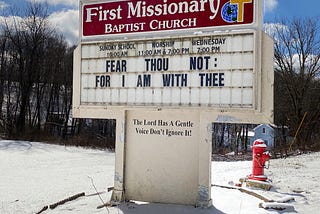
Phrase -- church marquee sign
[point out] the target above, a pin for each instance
(165, 70)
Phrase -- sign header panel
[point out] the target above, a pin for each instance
(129, 16)
(212, 70)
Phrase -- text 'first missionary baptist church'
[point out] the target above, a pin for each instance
(145, 16)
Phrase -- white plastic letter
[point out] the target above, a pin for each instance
(90, 13)
(214, 8)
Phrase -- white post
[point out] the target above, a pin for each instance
(118, 192)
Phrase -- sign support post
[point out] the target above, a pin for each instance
(204, 187)
(165, 90)
(118, 191)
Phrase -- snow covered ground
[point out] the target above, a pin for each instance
(33, 175)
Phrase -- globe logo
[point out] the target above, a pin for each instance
(229, 12)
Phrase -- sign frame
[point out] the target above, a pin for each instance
(262, 110)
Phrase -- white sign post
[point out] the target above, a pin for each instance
(165, 90)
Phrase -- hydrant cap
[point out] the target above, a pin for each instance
(259, 143)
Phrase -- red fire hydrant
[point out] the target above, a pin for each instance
(259, 157)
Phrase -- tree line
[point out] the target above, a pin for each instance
(36, 66)
(35, 72)
(297, 80)
(296, 90)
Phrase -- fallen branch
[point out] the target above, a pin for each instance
(255, 195)
(277, 206)
(43, 209)
(245, 191)
(96, 193)
(94, 186)
(74, 197)
(108, 204)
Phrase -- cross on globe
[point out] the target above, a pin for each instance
(229, 12)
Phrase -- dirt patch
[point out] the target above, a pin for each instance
(231, 157)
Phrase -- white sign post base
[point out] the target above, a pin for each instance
(163, 156)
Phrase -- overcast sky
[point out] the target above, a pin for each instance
(64, 14)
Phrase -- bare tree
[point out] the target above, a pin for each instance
(37, 73)
(297, 55)
(27, 37)
(2, 70)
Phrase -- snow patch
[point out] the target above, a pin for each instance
(33, 175)
(277, 206)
